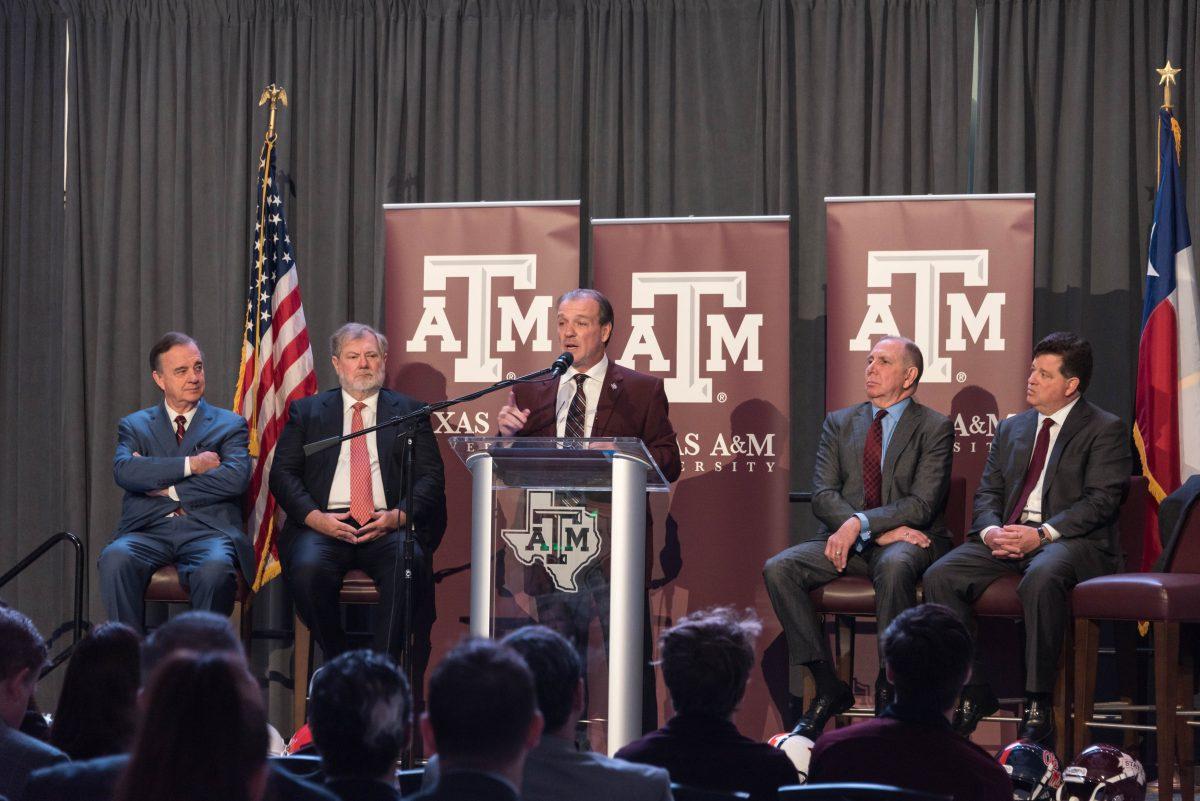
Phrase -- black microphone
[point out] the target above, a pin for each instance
(561, 364)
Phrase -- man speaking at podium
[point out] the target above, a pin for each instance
(595, 397)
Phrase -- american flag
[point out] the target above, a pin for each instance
(277, 362)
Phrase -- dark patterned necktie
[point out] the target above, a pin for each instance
(577, 413)
(179, 429)
(1040, 449)
(872, 469)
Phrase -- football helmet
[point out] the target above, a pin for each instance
(1103, 773)
(798, 749)
(1032, 769)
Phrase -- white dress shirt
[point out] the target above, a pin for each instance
(339, 492)
(187, 463)
(1031, 515)
(591, 395)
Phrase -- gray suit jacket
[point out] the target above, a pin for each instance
(21, 755)
(916, 471)
(212, 499)
(1086, 475)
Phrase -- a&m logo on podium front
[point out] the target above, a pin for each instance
(563, 538)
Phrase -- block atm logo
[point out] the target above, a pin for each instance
(495, 322)
(965, 321)
(704, 343)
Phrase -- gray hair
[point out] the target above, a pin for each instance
(352, 331)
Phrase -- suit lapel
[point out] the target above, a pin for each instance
(1075, 422)
(610, 390)
(385, 439)
(900, 437)
(1023, 440)
(331, 426)
(860, 425)
(163, 430)
(202, 420)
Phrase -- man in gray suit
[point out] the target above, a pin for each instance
(1046, 509)
(184, 466)
(22, 657)
(879, 492)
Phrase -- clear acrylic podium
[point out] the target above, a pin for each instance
(558, 536)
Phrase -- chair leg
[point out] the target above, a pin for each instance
(301, 664)
(1063, 696)
(1166, 694)
(845, 660)
(1087, 641)
(1186, 745)
(1127, 639)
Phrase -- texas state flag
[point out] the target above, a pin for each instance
(1167, 402)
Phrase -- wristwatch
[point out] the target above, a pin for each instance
(1042, 538)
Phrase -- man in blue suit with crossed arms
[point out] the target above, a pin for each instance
(184, 466)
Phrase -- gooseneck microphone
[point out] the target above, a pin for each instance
(561, 364)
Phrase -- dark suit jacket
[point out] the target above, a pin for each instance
(631, 404)
(213, 499)
(709, 753)
(1086, 473)
(301, 483)
(21, 755)
(467, 786)
(362, 790)
(916, 470)
(96, 780)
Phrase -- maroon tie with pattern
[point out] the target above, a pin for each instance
(179, 429)
(872, 457)
(577, 414)
(1040, 449)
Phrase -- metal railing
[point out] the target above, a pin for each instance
(38, 553)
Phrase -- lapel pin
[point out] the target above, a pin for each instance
(613, 385)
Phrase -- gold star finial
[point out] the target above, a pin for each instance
(1168, 74)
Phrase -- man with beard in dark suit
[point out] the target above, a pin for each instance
(345, 506)
(879, 491)
(1046, 510)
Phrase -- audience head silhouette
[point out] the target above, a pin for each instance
(97, 709)
(706, 660)
(927, 653)
(557, 675)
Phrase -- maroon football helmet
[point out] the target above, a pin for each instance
(1032, 769)
(1103, 773)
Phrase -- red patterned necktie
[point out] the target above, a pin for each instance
(179, 429)
(575, 415)
(1034, 472)
(362, 498)
(872, 468)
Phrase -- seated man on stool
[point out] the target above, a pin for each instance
(345, 506)
(1046, 510)
(879, 492)
(184, 466)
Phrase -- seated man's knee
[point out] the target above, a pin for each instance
(216, 573)
(1040, 579)
(895, 570)
(118, 559)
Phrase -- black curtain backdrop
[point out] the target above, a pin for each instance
(637, 107)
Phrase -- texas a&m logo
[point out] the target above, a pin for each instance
(685, 382)
(564, 538)
(479, 277)
(927, 268)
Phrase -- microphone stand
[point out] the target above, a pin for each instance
(409, 555)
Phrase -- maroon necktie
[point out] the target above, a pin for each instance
(872, 469)
(179, 429)
(1040, 449)
(576, 413)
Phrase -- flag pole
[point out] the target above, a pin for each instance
(1167, 75)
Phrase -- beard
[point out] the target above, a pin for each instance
(362, 382)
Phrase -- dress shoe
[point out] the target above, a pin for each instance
(823, 707)
(974, 704)
(1037, 724)
(885, 695)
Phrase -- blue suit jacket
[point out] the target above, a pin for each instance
(212, 499)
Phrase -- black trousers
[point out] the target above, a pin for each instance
(1047, 577)
(313, 567)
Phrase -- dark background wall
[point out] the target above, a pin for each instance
(637, 107)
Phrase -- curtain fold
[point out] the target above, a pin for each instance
(1067, 103)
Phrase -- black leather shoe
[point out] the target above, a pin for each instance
(795, 711)
(975, 704)
(1037, 724)
(885, 695)
(823, 707)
